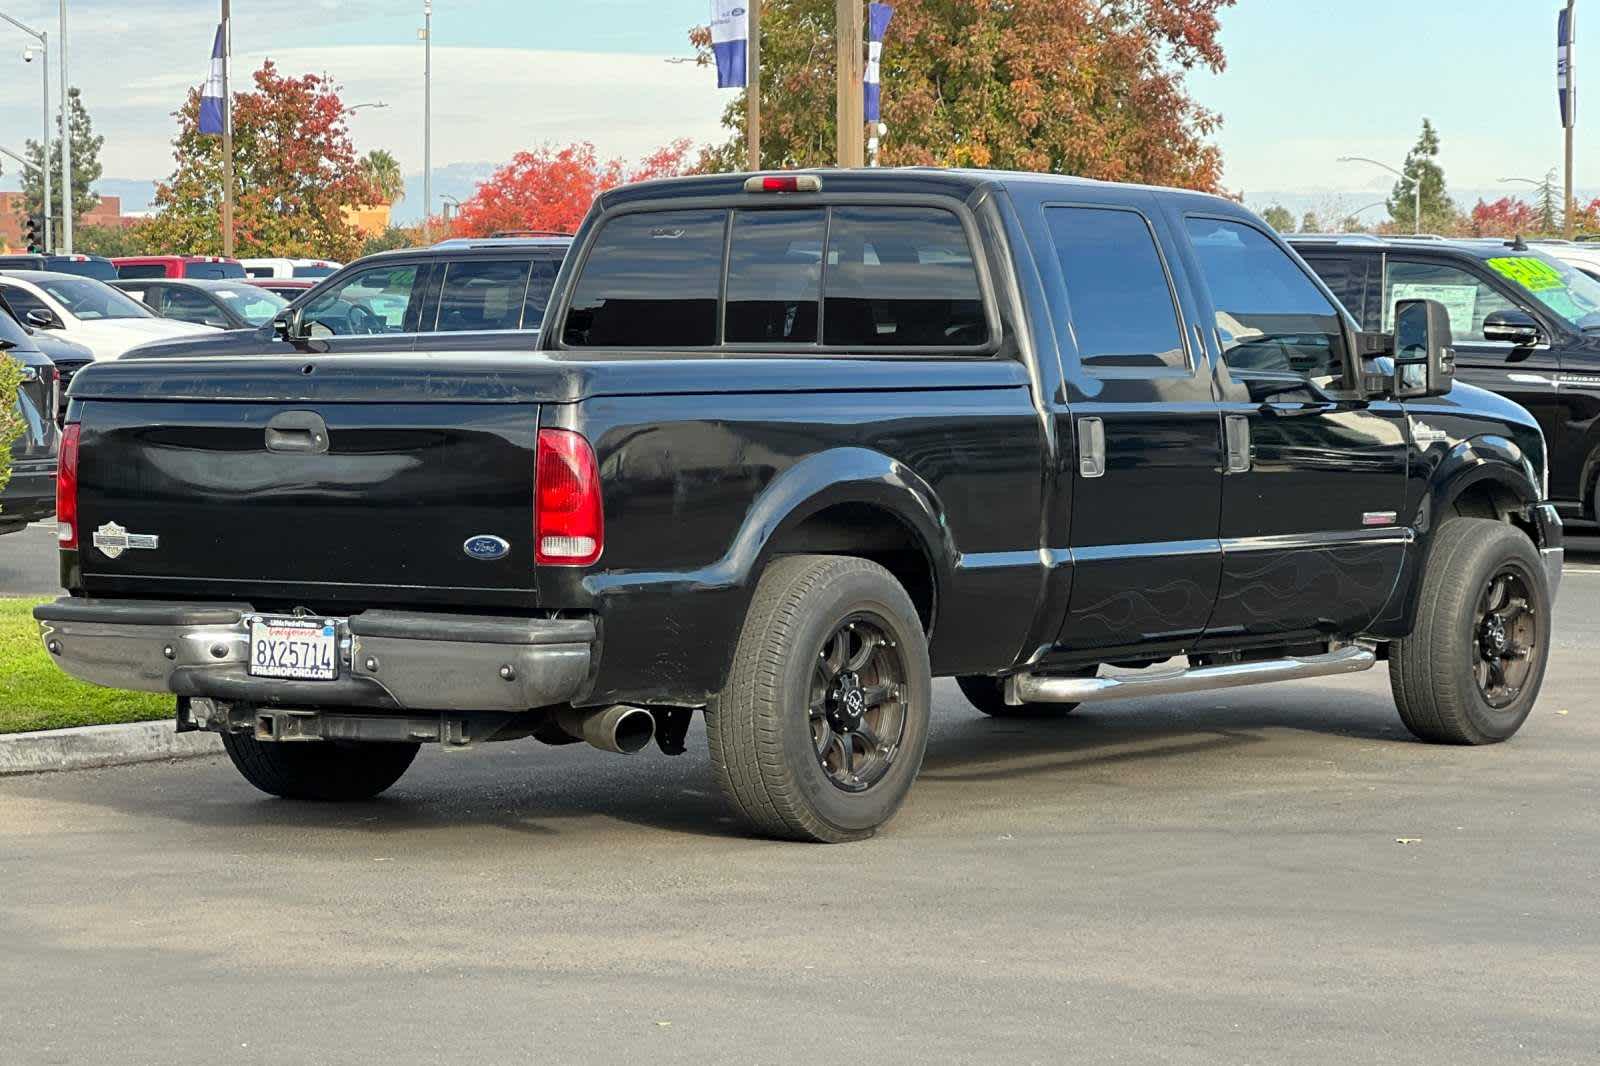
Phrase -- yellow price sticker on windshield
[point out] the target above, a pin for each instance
(1532, 274)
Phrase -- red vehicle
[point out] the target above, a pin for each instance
(288, 288)
(212, 267)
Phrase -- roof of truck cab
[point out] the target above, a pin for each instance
(1477, 247)
(935, 181)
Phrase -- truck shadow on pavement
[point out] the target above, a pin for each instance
(529, 790)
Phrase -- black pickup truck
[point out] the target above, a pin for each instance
(792, 446)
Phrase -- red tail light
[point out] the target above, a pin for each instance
(67, 488)
(568, 522)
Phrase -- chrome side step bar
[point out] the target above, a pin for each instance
(1031, 688)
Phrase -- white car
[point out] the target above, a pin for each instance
(89, 312)
(1585, 255)
(288, 268)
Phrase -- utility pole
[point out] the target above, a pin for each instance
(752, 89)
(427, 120)
(848, 28)
(1572, 115)
(44, 153)
(66, 142)
(227, 131)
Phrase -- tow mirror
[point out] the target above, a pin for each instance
(1424, 350)
(1516, 327)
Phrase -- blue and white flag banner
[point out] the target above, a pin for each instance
(1566, 84)
(211, 109)
(878, 16)
(730, 36)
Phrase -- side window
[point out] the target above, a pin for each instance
(901, 276)
(482, 295)
(22, 301)
(652, 279)
(1468, 298)
(374, 301)
(1123, 314)
(147, 295)
(1270, 316)
(774, 277)
(1347, 277)
(540, 284)
(186, 306)
(142, 270)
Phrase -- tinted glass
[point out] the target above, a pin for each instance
(213, 271)
(1270, 315)
(142, 270)
(1122, 309)
(22, 301)
(255, 305)
(186, 305)
(901, 276)
(774, 277)
(482, 295)
(99, 269)
(258, 272)
(540, 283)
(11, 332)
(373, 302)
(1468, 299)
(313, 271)
(1347, 277)
(651, 280)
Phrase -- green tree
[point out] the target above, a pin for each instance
(1088, 87)
(296, 175)
(383, 171)
(112, 241)
(393, 239)
(1439, 212)
(86, 168)
(1278, 217)
(1310, 223)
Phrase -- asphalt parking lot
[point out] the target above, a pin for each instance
(1209, 879)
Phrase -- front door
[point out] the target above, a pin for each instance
(1147, 485)
(1313, 534)
(377, 309)
(1528, 375)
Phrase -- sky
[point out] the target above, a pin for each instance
(1307, 81)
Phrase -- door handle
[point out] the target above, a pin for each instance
(1236, 428)
(298, 432)
(1091, 447)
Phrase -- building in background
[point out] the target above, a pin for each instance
(108, 212)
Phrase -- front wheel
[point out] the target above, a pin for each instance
(328, 770)
(823, 723)
(1471, 670)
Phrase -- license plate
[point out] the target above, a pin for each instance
(296, 649)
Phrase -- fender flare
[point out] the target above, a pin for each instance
(1490, 458)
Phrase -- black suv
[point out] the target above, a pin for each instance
(460, 294)
(97, 267)
(30, 494)
(1526, 326)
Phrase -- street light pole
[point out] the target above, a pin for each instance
(848, 27)
(43, 38)
(752, 89)
(227, 131)
(427, 118)
(1572, 84)
(1397, 173)
(66, 141)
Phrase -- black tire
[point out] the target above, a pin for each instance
(327, 771)
(770, 756)
(988, 695)
(1437, 671)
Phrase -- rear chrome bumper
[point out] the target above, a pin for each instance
(389, 660)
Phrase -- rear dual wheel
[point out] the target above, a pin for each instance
(823, 723)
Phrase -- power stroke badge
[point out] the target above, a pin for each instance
(113, 540)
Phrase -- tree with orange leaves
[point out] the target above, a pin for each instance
(551, 188)
(1088, 87)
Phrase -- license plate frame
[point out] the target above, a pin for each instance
(282, 648)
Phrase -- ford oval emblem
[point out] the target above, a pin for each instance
(486, 547)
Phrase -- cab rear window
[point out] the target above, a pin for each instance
(846, 278)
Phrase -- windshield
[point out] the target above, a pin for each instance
(91, 300)
(255, 306)
(1563, 288)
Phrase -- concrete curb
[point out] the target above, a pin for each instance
(100, 745)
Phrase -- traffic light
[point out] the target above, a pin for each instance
(33, 235)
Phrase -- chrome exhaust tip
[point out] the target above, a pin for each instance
(620, 729)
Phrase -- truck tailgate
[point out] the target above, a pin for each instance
(245, 502)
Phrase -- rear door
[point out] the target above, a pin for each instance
(1312, 531)
(1356, 281)
(1147, 496)
(484, 302)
